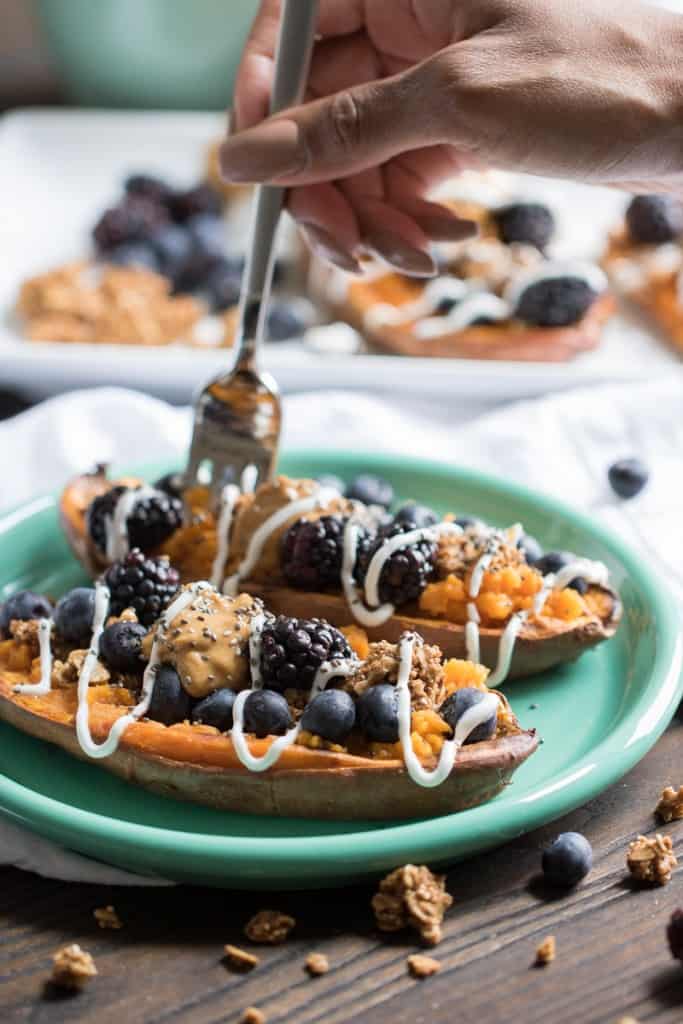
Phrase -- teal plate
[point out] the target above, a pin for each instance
(597, 718)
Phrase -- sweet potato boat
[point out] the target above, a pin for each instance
(199, 764)
(513, 340)
(540, 645)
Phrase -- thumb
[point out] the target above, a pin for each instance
(341, 134)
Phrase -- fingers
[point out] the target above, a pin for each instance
(328, 223)
(339, 135)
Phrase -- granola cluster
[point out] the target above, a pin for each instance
(117, 305)
(457, 553)
(546, 951)
(427, 689)
(670, 806)
(241, 959)
(422, 966)
(651, 860)
(72, 967)
(317, 964)
(107, 917)
(269, 927)
(412, 896)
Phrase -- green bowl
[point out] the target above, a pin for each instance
(161, 54)
(597, 718)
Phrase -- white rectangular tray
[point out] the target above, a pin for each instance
(58, 169)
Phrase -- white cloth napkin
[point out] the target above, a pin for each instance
(561, 445)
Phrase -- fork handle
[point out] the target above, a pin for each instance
(292, 59)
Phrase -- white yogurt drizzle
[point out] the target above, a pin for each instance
(594, 277)
(108, 746)
(116, 526)
(479, 304)
(261, 535)
(468, 722)
(249, 479)
(45, 684)
(383, 314)
(229, 496)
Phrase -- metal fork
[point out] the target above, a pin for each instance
(237, 416)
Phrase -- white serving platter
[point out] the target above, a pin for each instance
(59, 169)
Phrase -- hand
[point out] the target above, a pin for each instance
(403, 95)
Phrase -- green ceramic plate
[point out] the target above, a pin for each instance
(597, 718)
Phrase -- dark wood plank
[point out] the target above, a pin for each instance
(165, 964)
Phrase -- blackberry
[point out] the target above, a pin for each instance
(406, 573)
(150, 522)
(133, 220)
(555, 301)
(148, 585)
(171, 483)
(531, 223)
(200, 199)
(149, 187)
(292, 651)
(653, 220)
(312, 553)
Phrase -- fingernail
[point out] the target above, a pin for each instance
(444, 228)
(324, 245)
(400, 254)
(264, 153)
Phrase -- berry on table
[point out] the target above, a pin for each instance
(312, 552)
(455, 706)
(151, 520)
(215, 710)
(406, 572)
(377, 713)
(654, 220)
(674, 933)
(170, 703)
(121, 647)
(74, 615)
(413, 515)
(147, 585)
(266, 713)
(555, 301)
(530, 223)
(292, 651)
(331, 715)
(628, 477)
(567, 860)
(371, 490)
(23, 605)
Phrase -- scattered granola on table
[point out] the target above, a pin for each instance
(421, 966)
(253, 1016)
(670, 806)
(412, 896)
(269, 927)
(240, 958)
(107, 917)
(72, 967)
(651, 860)
(546, 951)
(317, 963)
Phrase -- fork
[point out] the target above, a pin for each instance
(237, 416)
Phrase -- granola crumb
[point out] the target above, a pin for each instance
(317, 963)
(253, 1016)
(240, 958)
(107, 917)
(269, 927)
(421, 966)
(651, 860)
(670, 806)
(627, 1020)
(72, 967)
(546, 951)
(412, 896)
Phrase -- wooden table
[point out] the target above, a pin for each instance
(165, 964)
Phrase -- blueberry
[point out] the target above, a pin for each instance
(170, 703)
(330, 480)
(445, 305)
(215, 710)
(331, 714)
(580, 585)
(207, 233)
(455, 706)
(266, 713)
(465, 522)
(173, 247)
(628, 477)
(530, 548)
(555, 301)
(121, 646)
(203, 198)
(371, 490)
(553, 561)
(529, 223)
(74, 615)
(415, 515)
(674, 933)
(147, 186)
(23, 605)
(222, 283)
(654, 220)
(284, 322)
(135, 254)
(377, 713)
(568, 859)
(170, 483)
